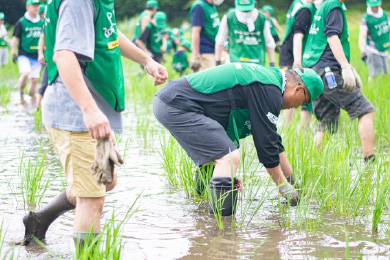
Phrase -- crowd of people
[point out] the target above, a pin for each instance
(230, 95)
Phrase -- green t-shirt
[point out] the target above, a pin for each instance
(180, 61)
(154, 41)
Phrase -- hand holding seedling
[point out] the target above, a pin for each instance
(106, 156)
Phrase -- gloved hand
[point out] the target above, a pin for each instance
(363, 56)
(195, 64)
(106, 156)
(296, 66)
(217, 63)
(287, 191)
(350, 77)
(14, 58)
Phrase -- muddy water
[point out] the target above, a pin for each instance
(168, 225)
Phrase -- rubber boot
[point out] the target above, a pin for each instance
(202, 177)
(37, 223)
(85, 239)
(223, 195)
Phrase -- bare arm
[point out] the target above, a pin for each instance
(277, 26)
(297, 50)
(218, 51)
(164, 45)
(14, 44)
(221, 38)
(276, 174)
(41, 47)
(362, 39)
(145, 20)
(195, 41)
(337, 49)
(132, 52)
(70, 71)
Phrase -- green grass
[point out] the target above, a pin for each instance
(5, 94)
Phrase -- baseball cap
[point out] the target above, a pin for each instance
(161, 20)
(41, 8)
(1, 15)
(269, 9)
(313, 83)
(152, 3)
(373, 3)
(32, 2)
(245, 5)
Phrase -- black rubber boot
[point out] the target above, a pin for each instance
(202, 177)
(223, 195)
(37, 223)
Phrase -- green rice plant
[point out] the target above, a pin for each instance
(38, 125)
(32, 183)
(10, 252)
(5, 94)
(381, 194)
(108, 244)
(186, 174)
(169, 157)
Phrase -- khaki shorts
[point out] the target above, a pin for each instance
(76, 151)
(207, 61)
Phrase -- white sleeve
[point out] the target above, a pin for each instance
(269, 40)
(222, 32)
(363, 31)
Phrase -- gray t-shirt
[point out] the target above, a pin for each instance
(75, 32)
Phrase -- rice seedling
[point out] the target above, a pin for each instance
(38, 125)
(5, 94)
(168, 153)
(32, 183)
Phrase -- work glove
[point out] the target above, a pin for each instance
(14, 58)
(218, 62)
(195, 64)
(287, 191)
(106, 156)
(363, 56)
(351, 78)
(296, 66)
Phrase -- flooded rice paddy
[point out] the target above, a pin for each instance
(169, 223)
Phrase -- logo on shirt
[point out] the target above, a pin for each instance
(109, 31)
(272, 118)
(248, 125)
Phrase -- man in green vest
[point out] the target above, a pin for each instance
(249, 35)
(152, 40)
(208, 113)
(374, 39)
(275, 28)
(205, 23)
(3, 42)
(145, 17)
(327, 51)
(25, 41)
(292, 49)
(82, 106)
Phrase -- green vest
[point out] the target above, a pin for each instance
(211, 23)
(30, 33)
(317, 41)
(155, 38)
(180, 63)
(246, 46)
(291, 22)
(105, 72)
(378, 28)
(3, 43)
(290, 10)
(272, 26)
(138, 31)
(210, 81)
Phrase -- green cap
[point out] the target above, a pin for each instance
(151, 3)
(32, 2)
(161, 20)
(313, 83)
(245, 5)
(373, 3)
(41, 8)
(268, 8)
(186, 44)
(1, 15)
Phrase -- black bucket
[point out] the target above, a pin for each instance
(223, 195)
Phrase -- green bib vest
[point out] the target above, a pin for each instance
(246, 46)
(272, 26)
(137, 32)
(155, 38)
(291, 22)
(211, 23)
(378, 28)
(290, 10)
(210, 81)
(30, 33)
(317, 41)
(180, 63)
(105, 72)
